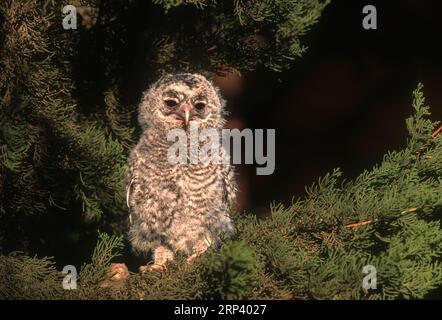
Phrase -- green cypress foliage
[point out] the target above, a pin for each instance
(316, 248)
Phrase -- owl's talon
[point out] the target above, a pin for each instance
(152, 267)
(117, 272)
(192, 258)
(115, 276)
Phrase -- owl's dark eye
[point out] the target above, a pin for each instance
(200, 105)
(171, 103)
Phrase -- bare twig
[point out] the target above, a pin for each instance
(366, 222)
(435, 133)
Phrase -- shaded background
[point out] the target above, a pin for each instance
(345, 102)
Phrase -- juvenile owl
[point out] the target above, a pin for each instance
(177, 207)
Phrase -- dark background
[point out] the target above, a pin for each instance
(344, 103)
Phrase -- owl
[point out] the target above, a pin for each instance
(177, 208)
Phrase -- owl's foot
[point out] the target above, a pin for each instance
(116, 275)
(153, 267)
(192, 258)
(117, 272)
(162, 256)
(199, 249)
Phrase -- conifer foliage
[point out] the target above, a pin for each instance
(67, 123)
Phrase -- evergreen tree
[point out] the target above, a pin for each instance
(68, 121)
(68, 108)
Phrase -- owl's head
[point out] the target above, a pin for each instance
(177, 100)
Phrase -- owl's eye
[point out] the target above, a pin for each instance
(200, 105)
(171, 103)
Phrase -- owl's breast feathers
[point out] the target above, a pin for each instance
(193, 189)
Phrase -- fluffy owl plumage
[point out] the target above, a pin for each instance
(177, 207)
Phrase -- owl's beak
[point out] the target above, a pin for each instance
(186, 117)
(185, 112)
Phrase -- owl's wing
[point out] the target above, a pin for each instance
(130, 179)
(128, 191)
(229, 186)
